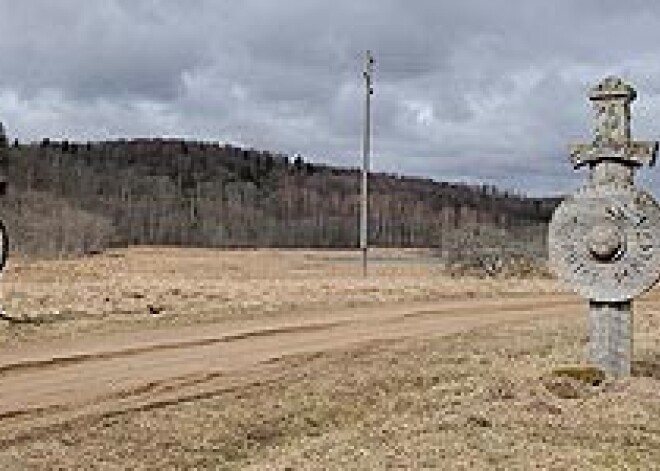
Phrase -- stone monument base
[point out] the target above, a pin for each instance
(610, 336)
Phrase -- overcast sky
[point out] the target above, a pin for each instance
(470, 90)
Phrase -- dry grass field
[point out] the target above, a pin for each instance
(149, 287)
(157, 358)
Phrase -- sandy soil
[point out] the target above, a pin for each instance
(290, 360)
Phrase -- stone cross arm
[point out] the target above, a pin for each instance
(634, 153)
(611, 100)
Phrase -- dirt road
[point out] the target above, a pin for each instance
(51, 384)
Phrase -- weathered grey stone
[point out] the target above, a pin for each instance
(605, 239)
(610, 336)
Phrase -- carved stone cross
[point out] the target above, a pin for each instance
(612, 144)
(604, 240)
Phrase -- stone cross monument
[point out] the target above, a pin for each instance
(604, 240)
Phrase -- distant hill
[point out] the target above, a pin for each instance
(70, 196)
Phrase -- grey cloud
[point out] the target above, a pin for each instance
(473, 89)
(87, 51)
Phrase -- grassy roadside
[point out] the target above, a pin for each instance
(143, 288)
(479, 400)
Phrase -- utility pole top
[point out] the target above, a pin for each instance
(369, 71)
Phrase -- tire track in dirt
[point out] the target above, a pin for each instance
(51, 385)
(128, 344)
(56, 361)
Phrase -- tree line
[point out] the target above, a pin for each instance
(80, 197)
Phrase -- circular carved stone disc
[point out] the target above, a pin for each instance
(604, 242)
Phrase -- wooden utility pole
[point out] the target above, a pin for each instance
(368, 72)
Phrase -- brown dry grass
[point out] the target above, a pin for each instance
(147, 287)
(478, 400)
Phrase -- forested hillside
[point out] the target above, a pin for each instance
(81, 197)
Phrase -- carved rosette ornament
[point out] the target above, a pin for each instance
(604, 240)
